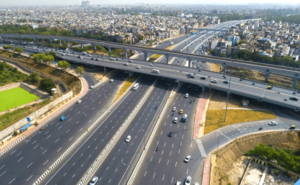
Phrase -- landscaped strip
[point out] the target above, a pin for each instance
(126, 85)
(156, 56)
(215, 118)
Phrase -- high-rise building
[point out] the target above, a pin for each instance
(85, 4)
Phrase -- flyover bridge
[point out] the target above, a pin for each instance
(268, 69)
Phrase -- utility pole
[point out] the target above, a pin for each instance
(227, 98)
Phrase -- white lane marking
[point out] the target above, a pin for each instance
(29, 165)
(224, 135)
(172, 180)
(68, 131)
(162, 152)
(187, 171)
(45, 162)
(151, 158)
(56, 141)
(2, 173)
(145, 173)
(35, 147)
(44, 152)
(201, 148)
(11, 181)
(29, 178)
(58, 150)
(154, 175)
(2, 166)
(159, 160)
(48, 136)
(170, 153)
(168, 162)
(163, 178)
(12, 152)
(179, 151)
(175, 164)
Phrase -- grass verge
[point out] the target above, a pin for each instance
(15, 97)
(215, 118)
(126, 85)
(156, 56)
(11, 117)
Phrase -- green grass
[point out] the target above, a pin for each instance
(15, 97)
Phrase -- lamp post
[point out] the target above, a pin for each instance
(227, 98)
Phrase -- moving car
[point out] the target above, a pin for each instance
(126, 64)
(151, 65)
(111, 80)
(180, 111)
(178, 183)
(94, 180)
(272, 123)
(225, 82)
(186, 95)
(292, 127)
(269, 87)
(130, 61)
(170, 134)
(188, 180)
(174, 109)
(294, 98)
(202, 78)
(175, 120)
(63, 118)
(128, 138)
(187, 159)
(138, 67)
(155, 71)
(213, 81)
(78, 101)
(192, 76)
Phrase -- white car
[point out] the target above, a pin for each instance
(187, 159)
(272, 123)
(178, 183)
(94, 180)
(92, 87)
(111, 80)
(174, 109)
(78, 101)
(128, 138)
(214, 81)
(196, 183)
(138, 67)
(188, 180)
(186, 95)
(175, 120)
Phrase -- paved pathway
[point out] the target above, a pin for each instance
(200, 116)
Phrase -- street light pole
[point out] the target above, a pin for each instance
(227, 98)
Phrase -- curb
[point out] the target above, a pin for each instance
(13, 144)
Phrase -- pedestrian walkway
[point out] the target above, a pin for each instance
(42, 121)
(206, 171)
(200, 115)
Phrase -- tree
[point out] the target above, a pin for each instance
(10, 55)
(48, 58)
(141, 37)
(64, 64)
(19, 50)
(222, 55)
(52, 53)
(33, 78)
(79, 70)
(47, 84)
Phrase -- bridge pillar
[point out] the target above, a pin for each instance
(295, 80)
(81, 45)
(145, 55)
(267, 75)
(95, 48)
(67, 44)
(36, 40)
(125, 52)
(109, 51)
(189, 60)
(51, 41)
(60, 42)
(167, 58)
(224, 69)
(20, 39)
(203, 89)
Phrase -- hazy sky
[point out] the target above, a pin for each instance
(78, 2)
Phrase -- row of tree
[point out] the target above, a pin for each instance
(284, 18)
(286, 158)
(9, 74)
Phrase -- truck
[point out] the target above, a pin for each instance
(184, 118)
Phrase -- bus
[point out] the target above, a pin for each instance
(135, 86)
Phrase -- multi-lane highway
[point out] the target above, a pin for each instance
(24, 163)
(77, 163)
(166, 164)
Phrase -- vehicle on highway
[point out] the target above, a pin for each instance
(174, 109)
(170, 134)
(178, 183)
(135, 86)
(184, 118)
(292, 127)
(260, 128)
(81, 57)
(192, 76)
(78, 56)
(189, 74)
(175, 120)
(96, 59)
(272, 123)
(84, 53)
(89, 55)
(117, 59)
(63, 118)
(155, 71)
(225, 82)
(92, 87)
(186, 95)
(126, 64)
(151, 65)
(196, 183)
(202, 78)
(188, 180)
(294, 98)
(187, 159)
(111, 80)
(253, 83)
(130, 61)
(94, 180)
(269, 87)
(78, 101)
(92, 58)
(180, 111)
(138, 67)
(214, 81)
(128, 138)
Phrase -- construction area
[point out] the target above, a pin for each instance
(229, 164)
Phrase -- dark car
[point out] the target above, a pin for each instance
(191, 76)
(78, 56)
(202, 78)
(225, 82)
(96, 59)
(92, 58)
(294, 98)
(170, 134)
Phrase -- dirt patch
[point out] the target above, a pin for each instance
(215, 67)
(227, 165)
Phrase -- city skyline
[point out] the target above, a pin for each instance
(133, 2)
